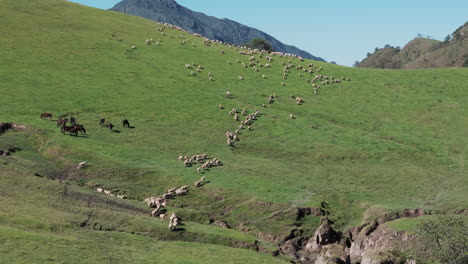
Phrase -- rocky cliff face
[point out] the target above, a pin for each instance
(225, 30)
(370, 243)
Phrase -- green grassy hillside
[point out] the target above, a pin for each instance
(384, 140)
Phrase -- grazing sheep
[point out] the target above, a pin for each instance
(270, 99)
(82, 164)
(133, 47)
(107, 192)
(156, 212)
(283, 84)
(201, 182)
(241, 78)
(181, 191)
(174, 222)
(228, 94)
(292, 116)
(122, 196)
(220, 106)
(264, 76)
(100, 190)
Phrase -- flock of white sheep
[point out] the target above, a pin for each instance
(254, 62)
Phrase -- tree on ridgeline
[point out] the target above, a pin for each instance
(260, 44)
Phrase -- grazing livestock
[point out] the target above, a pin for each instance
(72, 121)
(82, 164)
(78, 128)
(125, 123)
(46, 115)
(110, 126)
(201, 182)
(62, 122)
(72, 130)
(102, 121)
(4, 127)
(174, 222)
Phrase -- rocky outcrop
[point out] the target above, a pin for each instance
(324, 235)
(382, 239)
(370, 243)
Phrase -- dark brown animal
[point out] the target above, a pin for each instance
(62, 122)
(110, 126)
(125, 123)
(73, 131)
(4, 127)
(72, 121)
(46, 115)
(79, 128)
(102, 120)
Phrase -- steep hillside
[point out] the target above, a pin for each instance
(423, 53)
(353, 152)
(225, 30)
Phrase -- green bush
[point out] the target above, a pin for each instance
(445, 238)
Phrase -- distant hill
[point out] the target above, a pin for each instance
(169, 11)
(423, 53)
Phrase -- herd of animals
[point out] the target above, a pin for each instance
(70, 126)
(74, 128)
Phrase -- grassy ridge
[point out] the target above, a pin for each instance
(387, 139)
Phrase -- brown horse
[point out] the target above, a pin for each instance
(72, 121)
(110, 126)
(70, 129)
(125, 123)
(102, 120)
(46, 115)
(62, 122)
(79, 128)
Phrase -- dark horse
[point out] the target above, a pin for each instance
(102, 120)
(72, 121)
(70, 129)
(110, 126)
(62, 122)
(125, 123)
(46, 115)
(79, 128)
(4, 127)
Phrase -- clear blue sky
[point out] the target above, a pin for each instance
(336, 30)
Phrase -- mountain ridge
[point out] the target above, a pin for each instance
(422, 53)
(222, 29)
